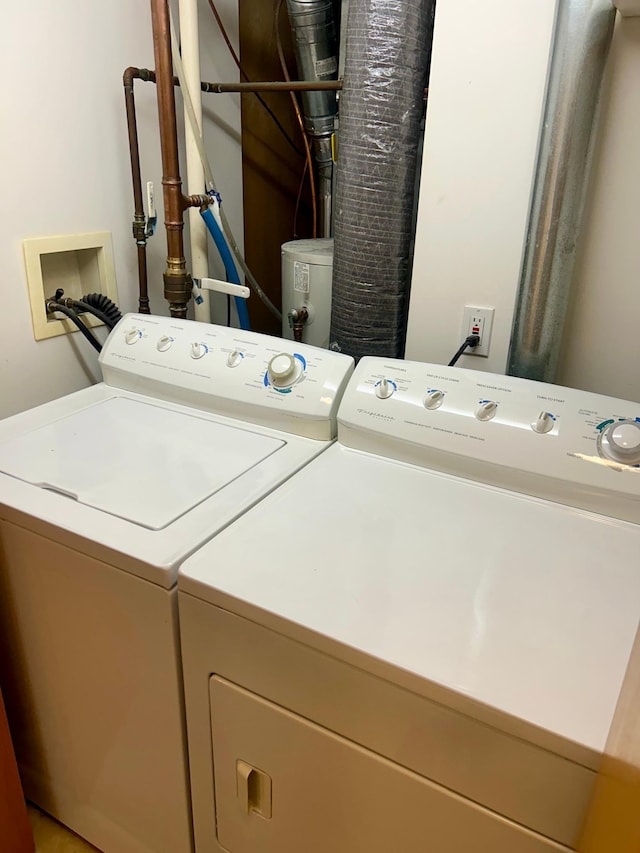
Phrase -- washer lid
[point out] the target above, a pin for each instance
(138, 461)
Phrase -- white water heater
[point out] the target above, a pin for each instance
(307, 269)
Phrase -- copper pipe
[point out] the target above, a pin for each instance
(143, 294)
(264, 86)
(177, 281)
(139, 223)
(274, 86)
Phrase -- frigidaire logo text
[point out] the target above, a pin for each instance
(375, 415)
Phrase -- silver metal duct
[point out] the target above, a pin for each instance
(381, 106)
(583, 32)
(315, 44)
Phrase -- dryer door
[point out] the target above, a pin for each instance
(285, 785)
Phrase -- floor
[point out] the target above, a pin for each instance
(52, 837)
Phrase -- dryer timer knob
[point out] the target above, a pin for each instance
(620, 442)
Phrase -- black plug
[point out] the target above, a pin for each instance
(470, 342)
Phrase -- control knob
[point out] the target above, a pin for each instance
(282, 370)
(132, 336)
(164, 343)
(486, 410)
(620, 442)
(385, 388)
(234, 358)
(198, 349)
(543, 423)
(434, 399)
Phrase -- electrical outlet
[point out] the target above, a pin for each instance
(478, 321)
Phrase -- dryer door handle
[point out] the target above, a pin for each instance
(253, 787)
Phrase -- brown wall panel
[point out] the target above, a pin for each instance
(271, 168)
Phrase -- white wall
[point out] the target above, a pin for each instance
(601, 341)
(486, 95)
(66, 164)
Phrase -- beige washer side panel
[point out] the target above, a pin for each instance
(327, 793)
(91, 679)
(522, 782)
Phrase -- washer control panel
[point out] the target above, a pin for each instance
(559, 443)
(289, 386)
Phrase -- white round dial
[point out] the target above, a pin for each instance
(132, 336)
(486, 410)
(434, 399)
(283, 370)
(164, 343)
(620, 442)
(385, 388)
(234, 358)
(543, 423)
(198, 349)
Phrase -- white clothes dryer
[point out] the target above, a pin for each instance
(103, 493)
(435, 664)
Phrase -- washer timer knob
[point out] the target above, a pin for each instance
(282, 370)
(620, 442)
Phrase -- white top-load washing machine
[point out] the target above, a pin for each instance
(102, 494)
(432, 660)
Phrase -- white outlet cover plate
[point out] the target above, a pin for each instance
(487, 315)
(103, 278)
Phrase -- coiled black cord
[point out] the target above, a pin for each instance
(100, 306)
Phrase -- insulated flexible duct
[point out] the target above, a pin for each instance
(386, 67)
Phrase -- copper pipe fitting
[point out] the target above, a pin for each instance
(201, 201)
(177, 281)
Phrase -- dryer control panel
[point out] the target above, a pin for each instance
(281, 384)
(558, 443)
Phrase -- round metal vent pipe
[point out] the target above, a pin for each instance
(315, 44)
(583, 32)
